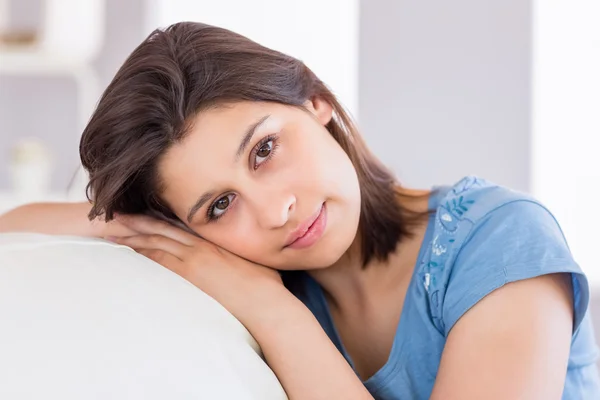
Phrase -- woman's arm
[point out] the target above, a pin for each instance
(513, 344)
(300, 353)
(58, 219)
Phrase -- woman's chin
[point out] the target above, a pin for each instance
(320, 257)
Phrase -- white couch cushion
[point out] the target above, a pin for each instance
(87, 319)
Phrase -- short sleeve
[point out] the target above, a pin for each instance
(518, 240)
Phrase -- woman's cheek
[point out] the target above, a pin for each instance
(237, 235)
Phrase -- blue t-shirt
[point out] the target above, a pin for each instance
(481, 237)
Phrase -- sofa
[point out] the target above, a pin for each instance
(84, 318)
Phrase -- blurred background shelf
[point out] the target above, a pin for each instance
(26, 61)
(31, 61)
(49, 50)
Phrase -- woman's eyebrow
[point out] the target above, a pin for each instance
(198, 205)
(248, 137)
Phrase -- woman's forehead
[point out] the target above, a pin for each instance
(231, 118)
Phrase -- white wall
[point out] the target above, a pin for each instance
(566, 120)
(322, 33)
(445, 88)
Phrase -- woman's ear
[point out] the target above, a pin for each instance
(320, 109)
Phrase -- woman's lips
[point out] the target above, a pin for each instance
(310, 231)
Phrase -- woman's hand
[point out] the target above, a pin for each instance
(242, 287)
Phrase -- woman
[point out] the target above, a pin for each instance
(234, 166)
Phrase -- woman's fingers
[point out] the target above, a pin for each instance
(152, 243)
(152, 226)
(165, 259)
(158, 256)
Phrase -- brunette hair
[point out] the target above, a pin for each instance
(188, 67)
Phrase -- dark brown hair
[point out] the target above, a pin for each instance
(178, 72)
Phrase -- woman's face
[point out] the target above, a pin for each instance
(252, 177)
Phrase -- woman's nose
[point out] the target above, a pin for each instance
(274, 208)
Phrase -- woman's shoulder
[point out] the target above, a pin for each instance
(476, 215)
(484, 236)
(475, 208)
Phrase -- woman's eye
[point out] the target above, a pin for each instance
(263, 152)
(220, 206)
